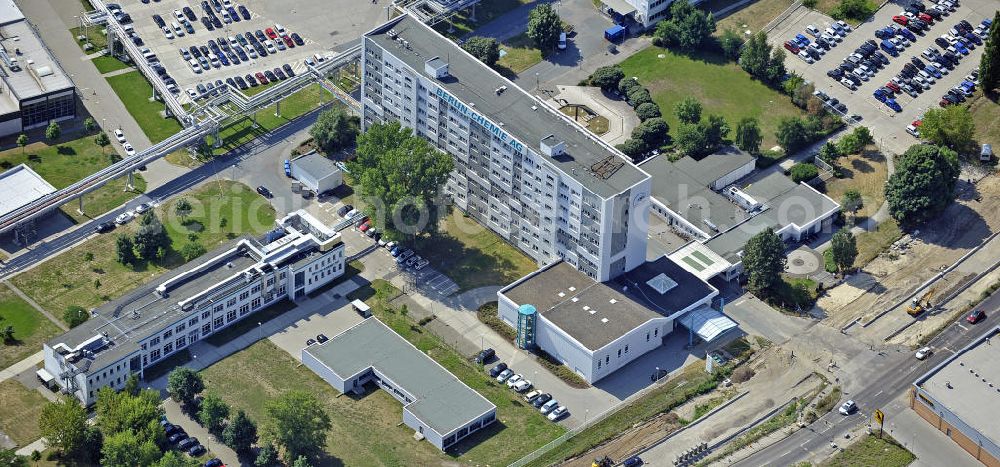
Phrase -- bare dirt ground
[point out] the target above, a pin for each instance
(917, 257)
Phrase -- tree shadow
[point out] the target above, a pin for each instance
(466, 444)
(958, 226)
(468, 267)
(862, 166)
(65, 151)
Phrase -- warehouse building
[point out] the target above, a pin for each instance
(197, 300)
(316, 173)
(36, 90)
(436, 405)
(523, 169)
(595, 328)
(961, 398)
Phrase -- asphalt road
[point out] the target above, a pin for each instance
(879, 392)
(260, 148)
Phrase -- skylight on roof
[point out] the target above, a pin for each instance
(661, 283)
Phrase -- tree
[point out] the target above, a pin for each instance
(607, 77)
(792, 134)
(688, 110)
(763, 260)
(240, 433)
(716, 129)
(183, 208)
(9, 458)
(297, 422)
(703, 138)
(267, 456)
(122, 412)
(647, 110)
(626, 85)
(192, 250)
(829, 152)
(639, 95)
(183, 384)
(730, 42)
(403, 173)
(852, 202)
(53, 131)
(151, 239)
(803, 172)
(7, 335)
(63, 425)
(175, 459)
(213, 413)
(334, 130)
(102, 140)
(544, 26)
(923, 183)
(132, 385)
(22, 140)
(125, 250)
(127, 449)
(633, 148)
(653, 132)
(89, 124)
(863, 135)
(775, 71)
(853, 9)
(989, 64)
(75, 316)
(301, 461)
(748, 136)
(762, 61)
(687, 27)
(690, 139)
(486, 49)
(951, 127)
(844, 248)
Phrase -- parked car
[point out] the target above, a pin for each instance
(976, 316)
(196, 450)
(177, 437)
(124, 217)
(847, 407)
(214, 463)
(634, 461)
(321, 338)
(485, 355)
(263, 191)
(187, 443)
(104, 227)
(548, 406)
(497, 369)
(541, 400)
(504, 375)
(522, 385)
(310, 341)
(558, 413)
(923, 353)
(511, 381)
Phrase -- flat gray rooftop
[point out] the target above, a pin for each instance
(974, 376)
(142, 312)
(43, 76)
(441, 400)
(19, 186)
(316, 164)
(9, 12)
(473, 82)
(597, 313)
(689, 195)
(787, 203)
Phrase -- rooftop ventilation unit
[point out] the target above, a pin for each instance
(436, 67)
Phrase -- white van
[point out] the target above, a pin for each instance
(194, 65)
(562, 41)
(178, 31)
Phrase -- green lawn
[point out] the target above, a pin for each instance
(794, 293)
(88, 275)
(521, 54)
(135, 93)
(473, 255)
(486, 11)
(722, 87)
(94, 33)
(20, 411)
(520, 429)
(872, 450)
(873, 243)
(107, 64)
(68, 161)
(30, 328)
(986, 114)
(752, 17)
(243, 131)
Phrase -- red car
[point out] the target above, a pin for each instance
(288, 41)
(926, 18)
(365, 226)
(976, 316)
(944, 103)
(260, 77)
(792, 47)
(893, 86)
(917, 123)
(270, 33)
(897, 19)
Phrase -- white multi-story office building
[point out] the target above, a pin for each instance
(201, 298)
(529, 173)
(645, 13)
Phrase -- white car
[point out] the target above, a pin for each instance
(179, 15)
(167, 32)
(805, 57)
(548, 406)
(843, 26)
(124, 217)
(812, 30)
(834, 34)
(912, 130)
(847, 83)
(522, 385)
(129, 150)
(120, 136)
(142, 208)
(513, 380)
(847, 407)
(192, 94)
(504, 375)
(923, 353)
(558, 413)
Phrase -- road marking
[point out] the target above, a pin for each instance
(878, 393)
(963, 327)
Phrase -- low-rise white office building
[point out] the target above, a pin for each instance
(436, 405)
(595, 328)
(201, 298)
(316, 173)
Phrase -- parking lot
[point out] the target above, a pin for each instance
(314, 21)
(888, 126)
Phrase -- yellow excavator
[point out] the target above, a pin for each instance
(604, 461)
(922, 303)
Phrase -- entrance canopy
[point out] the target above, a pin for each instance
(707, 323)
(619, 6)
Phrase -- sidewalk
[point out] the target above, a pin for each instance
(21, 366)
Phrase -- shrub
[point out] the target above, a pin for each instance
(647, 111)
(829, 264)
(75, 315)
(803, 172)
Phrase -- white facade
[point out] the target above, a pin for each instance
(289, 267)
(503, 181)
